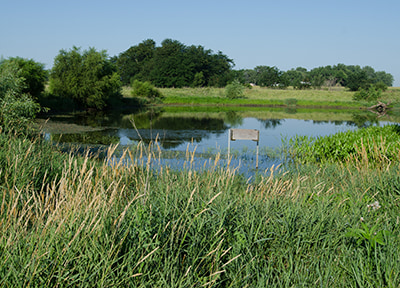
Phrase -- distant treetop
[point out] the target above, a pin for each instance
(352, 77)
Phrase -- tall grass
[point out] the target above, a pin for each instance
(377, 145)
(95, 223)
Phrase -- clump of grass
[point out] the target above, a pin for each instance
(101, 224)
(377, 145)
(28, 162)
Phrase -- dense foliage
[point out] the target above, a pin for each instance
(89, 78)
(371, 94)
(264, 76)
(17, 108)
(352, 77)
(145, 89)
(374, 143)
(33, 73)
(173, 64)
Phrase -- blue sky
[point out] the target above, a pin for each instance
(286, 34)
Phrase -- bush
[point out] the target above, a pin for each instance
(89, 78)
(34, 76)
(372, 94)
(145, 89)
(381, 86)
(17, 112)
(234, 90)
(17, 109)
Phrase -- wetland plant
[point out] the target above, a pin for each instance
(84, 222)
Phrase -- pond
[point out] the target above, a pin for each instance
(205, 130)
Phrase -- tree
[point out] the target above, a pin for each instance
(134, 62)
(220, 69)
(89, 78)
(174, 64)
(317, 81)
(267, 76)
(295, 77)
(34, 74)
(357, 80)
(370, 73)
(17, 109)
(351, 76)
(249, 76)
(170, 69)
(384, 77)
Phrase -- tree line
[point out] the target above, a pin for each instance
(175, 65)
(352, 77)
(92, 79)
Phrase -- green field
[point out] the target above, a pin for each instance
(336, 97)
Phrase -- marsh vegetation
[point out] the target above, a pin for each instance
(77, 221)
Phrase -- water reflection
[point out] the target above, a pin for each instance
(176, 127)
(364, 120)
(272, 123)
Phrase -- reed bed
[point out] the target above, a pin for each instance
(77, 221)
(375, 145)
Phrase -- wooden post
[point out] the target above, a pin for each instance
(244, 134)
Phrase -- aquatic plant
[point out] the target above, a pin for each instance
(372, 145)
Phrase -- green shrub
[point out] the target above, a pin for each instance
(381, 86)
(145, 89)
(34, 75)
(17, 109)
(371, 94)
(234, 90)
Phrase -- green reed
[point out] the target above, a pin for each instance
(376, 145)
(92, 223)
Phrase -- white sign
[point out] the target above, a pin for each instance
(243, 134)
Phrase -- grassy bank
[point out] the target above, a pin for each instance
(323, 98)
(378, 145)
(335, 98)
(73, 221)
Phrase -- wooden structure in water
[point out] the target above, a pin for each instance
(244, 134)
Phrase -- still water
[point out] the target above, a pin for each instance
(204, 131)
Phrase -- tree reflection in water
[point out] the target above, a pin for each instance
(178, 126)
